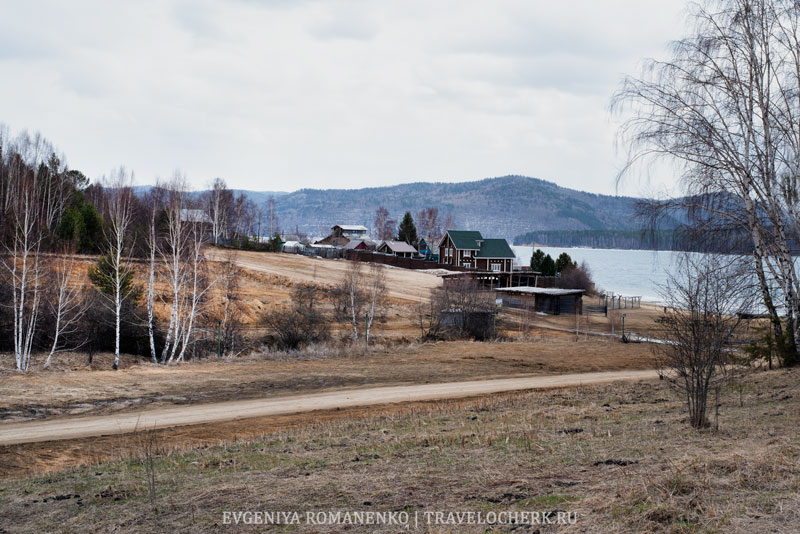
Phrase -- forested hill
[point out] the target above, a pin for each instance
(498, 207)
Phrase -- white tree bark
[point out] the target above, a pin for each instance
(68, 307)
(198, 288)
(376, 289)
(119, 214)
(172, 256)
(21, 260)
(152, 245)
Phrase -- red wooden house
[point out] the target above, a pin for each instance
(468, 248)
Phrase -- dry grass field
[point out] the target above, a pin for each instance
(73, 387)
(620, 457)
(403, 285)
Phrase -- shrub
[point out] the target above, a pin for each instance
(298, 325)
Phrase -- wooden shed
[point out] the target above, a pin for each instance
(550, 300)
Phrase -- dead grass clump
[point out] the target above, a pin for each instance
(666, 501)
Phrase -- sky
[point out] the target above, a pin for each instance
(279, 95)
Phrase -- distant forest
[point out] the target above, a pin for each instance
(622, 239)
(721, 241)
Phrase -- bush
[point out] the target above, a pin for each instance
(298, 325)
(579, 277)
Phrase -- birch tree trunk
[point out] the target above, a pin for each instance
(119, 213)
(21, 260)
(152, 246)
(172, 256)
(69, 307)
(376, 290)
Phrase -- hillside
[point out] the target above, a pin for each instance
(500, 207)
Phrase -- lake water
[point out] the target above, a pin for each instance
(624, 272)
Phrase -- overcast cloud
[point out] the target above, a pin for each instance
(279, 95)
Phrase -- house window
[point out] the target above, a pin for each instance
(468, 265)
(467, 253)
(496, 267)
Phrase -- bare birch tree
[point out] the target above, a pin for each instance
(384, 225)
(173, 256)
(229, 323)
(22, 254)
(118, 278)
(360, 297)
(184, 267)
(725, 108)
(156, 200)
(349, 298)
(272, 216)
(218, 202)
(55, 189)
(428, 224)
(375, 297)
(199, 284)
(67, 306)
(704, 302)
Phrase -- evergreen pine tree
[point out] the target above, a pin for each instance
(536, 260)
(407, 231)
(548, 266)
(564, 263)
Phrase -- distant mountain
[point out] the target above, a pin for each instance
(498, 207)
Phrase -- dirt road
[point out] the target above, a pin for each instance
(83, 427)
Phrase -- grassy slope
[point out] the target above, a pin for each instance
(538, 451)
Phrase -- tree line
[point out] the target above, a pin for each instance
(619, 239)
(50, 215)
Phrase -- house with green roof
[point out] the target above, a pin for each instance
(469, 249)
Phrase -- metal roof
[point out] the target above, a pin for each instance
(352, 227)
(465, 239)
(495, 248)
(552, 291)
(195, 216)
(398, 246)
(353, 243)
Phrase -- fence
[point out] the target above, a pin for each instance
(618, 302)
(396, 261)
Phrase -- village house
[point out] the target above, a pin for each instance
(342, 234)
(401, 249)
(469, 249)
(293, 247)
(361, 244)
(195, 216)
